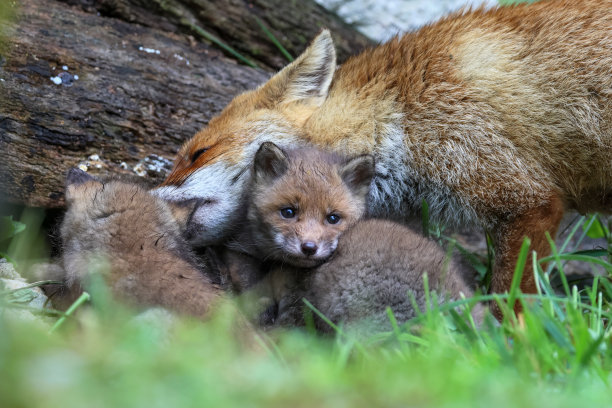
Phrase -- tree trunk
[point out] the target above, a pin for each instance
(79, 88)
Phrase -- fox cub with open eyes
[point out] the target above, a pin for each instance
(301, 201)
(304, 221)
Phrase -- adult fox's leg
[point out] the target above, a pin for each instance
(508, 239)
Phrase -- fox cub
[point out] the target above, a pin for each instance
(300, 201)
(303, 220)
(377, 264)
(134, 240)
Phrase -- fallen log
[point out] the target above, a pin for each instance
(249, 28)
(115, 97)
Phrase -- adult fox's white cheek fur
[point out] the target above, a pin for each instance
(221, 186)
(216, 187)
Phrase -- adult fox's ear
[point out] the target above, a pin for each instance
(270, 162)
(307, 79)
(75, 179)
(357, 174)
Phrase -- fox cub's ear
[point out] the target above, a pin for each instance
(270, 162)
(75, 179)
(357, 174)
(306, 79)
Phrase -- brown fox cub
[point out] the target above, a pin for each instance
(133, 238)
(300, 201)
(498, 117)
(377, 264)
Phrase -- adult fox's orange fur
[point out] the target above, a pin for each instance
(499, 117)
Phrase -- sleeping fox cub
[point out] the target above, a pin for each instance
(377, 264)
(134, 240)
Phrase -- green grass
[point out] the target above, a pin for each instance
(554, 361)
(8, 10)
(104, 356)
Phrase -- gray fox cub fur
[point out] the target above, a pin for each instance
(377, 264)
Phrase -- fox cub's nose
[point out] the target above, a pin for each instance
(309, 248)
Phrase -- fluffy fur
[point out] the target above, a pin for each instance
(352, 278)
(377, 264)
(498, 117)
(314, 185)
(134, 240)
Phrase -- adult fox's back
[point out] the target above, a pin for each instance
(501, 117)
(500, 85)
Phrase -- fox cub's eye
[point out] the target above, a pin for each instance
(197, 154)
(288, 212)
(333, 218)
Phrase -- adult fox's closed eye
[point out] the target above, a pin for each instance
(500, 117)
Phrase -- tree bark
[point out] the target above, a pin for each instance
(244, 25)
(140, 93)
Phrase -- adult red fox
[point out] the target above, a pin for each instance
(498, 117)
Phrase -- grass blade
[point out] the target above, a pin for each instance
(519, 269)
(82, 299)
(331, 324)
(213, 39)
(274, 40)
(425, 218)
